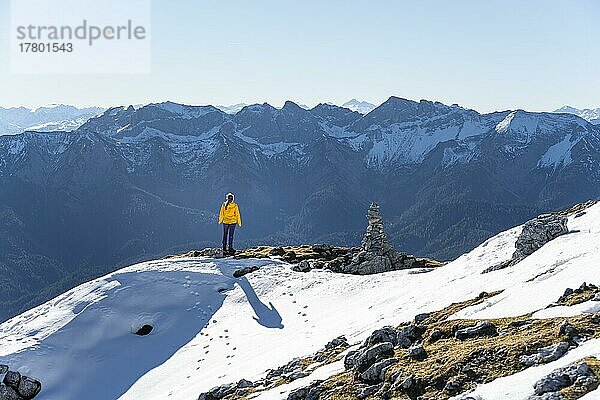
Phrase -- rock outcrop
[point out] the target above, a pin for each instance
(295, 369)
(579, 375)
(536, 233)
(15, 386)
(545, 354)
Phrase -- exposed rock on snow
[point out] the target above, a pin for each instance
(578, 374)
(15, 386)
(376, 354)
(297, 368)
(244, 271)
(546, 354)
(311, 392)
(536, 233)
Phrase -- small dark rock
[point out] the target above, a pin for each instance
(417, 352)
(338, 342)
(289, 256)
(277, 251)
(452, 387)
(435, 335)
(244, 383)
(407, 383)
(303, 266)
(368, 391)
(566, 329)
(244, 271)
(385, 334)
(419, 318)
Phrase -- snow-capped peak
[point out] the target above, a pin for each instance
(589, 114)
(518, 122)
(185, 111)
(362, 107)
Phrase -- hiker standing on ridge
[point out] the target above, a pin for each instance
(229, 216)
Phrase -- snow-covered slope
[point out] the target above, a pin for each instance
(211, 328)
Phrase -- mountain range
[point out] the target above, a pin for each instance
(138, 183)
(44, 119)
(589, 114)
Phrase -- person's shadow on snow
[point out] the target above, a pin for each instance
(267, 316)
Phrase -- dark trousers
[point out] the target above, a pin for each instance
(228, 230)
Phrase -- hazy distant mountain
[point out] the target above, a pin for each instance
(362, 107)
(138, 183)
(591, 115)
(56, 117)
(233, 108)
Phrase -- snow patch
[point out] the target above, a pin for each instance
(558, 154)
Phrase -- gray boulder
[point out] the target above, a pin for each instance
(303, 266)
(373, 354)
(417, 352)
(376, 372)
(545, 354)
(536, 233)
(311, 392)
(385, 334)
(277, 251)
(573, 374)
(482, 328)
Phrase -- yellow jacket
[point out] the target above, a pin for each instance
(231, 215)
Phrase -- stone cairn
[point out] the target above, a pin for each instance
(15, 386)
(376, 253)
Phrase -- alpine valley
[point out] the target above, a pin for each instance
(137, 183)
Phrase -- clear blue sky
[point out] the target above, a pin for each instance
(488, 55)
